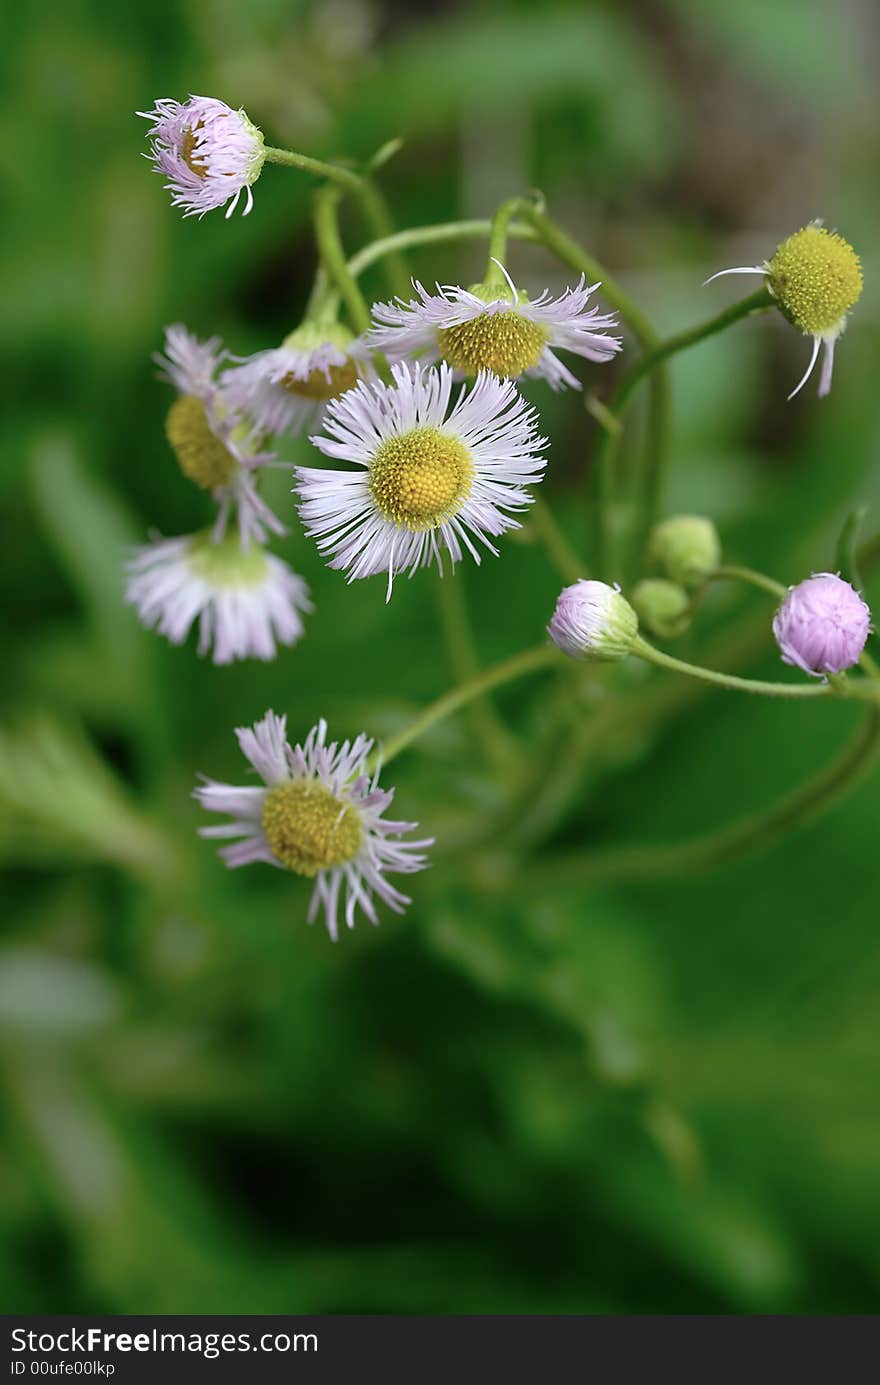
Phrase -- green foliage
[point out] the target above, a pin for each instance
(646, 1097)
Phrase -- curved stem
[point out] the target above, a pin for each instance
(643, 650)
(730, 572)
(379, 220)
(817, 795)
(429, 235)
(528, 661)
(333, 256)
(489, 730)
(560, 550)
(334, 173)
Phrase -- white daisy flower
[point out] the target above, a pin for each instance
(495, 327)
(816, 278)
(286, 389)
(208, 152)
(213, 445)
(428, 478)
(246, 603)
(319, 814)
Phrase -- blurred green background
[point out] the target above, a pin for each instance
(640, 1098)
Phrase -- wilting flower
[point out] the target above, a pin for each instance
(816, 278)
(428, 479)
(288, 387)
(822, 625)
(593, 621)
(209, 153)
(319, 815)
(246, 602)
(494, 327)
(211, 442)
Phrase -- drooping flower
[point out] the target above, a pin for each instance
(319, 814)
(246, 602)
(209, 153)
(213, 445)
(822, 625)
(497, 328)
(816, 278)
(429, 478)
(593, 621)
(287, 388)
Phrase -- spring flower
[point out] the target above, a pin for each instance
(428, 477)
(209, 153)
(816, 278)
(211, 442)
(822, 625)
(288, 388)
(593, 621)
(245, 602)
(319, 814)
(494, 327)
(686, 547)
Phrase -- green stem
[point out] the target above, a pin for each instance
(429, 235)
(333, 258)
(528, 661)
(678, 860)
(333, 173)
(730, 572)
(643, 650)
(489, 730)
(378, 218)
(559, 548)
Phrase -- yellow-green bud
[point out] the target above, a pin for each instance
(662, 606)
(686, 548)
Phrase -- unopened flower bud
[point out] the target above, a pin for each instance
(662, 606)
(687, 548)
(822, 625)
(593, 621)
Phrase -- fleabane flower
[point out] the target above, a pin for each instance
(214, 446)
(497, 328)
(287, 388)
(431, 476)
(319, 814)
(816, 278)
(593, 621)
(822, 625)
(209, 153)
(246, 602)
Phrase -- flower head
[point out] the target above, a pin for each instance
(428, 478)
(246, 602)
(213, 445)
(209, 153)
(816, 278)
(822, 625)
(319, 814)
(593, 621)
(287, 388)
(495, 327)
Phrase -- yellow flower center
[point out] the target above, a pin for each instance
(308, 829)
(316, 384)
(201, 454)
(504, 342)
(421, 478)
(816, 277)
(188, 151)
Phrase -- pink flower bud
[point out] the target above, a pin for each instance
(822, 625)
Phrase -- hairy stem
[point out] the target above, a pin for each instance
(489, 731)
(557, 544)
(330, 248)
(866, 690)
(430, 235)
(528, 661)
